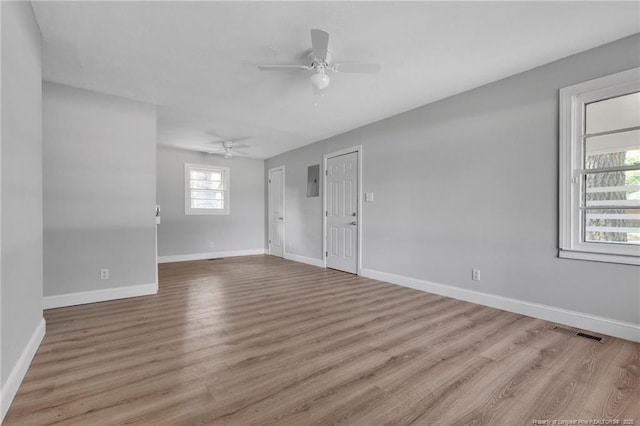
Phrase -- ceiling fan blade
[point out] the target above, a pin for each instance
(283, 67)
(231, 143)
(239, 145)
(319, 44)
(357, 68)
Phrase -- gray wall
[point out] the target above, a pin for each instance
(99, 190)
(21, 177)
(242, 229)
(469, 182)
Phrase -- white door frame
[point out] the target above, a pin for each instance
(358, 150)
(284, 210)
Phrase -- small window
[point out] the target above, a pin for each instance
(206, 189)
(600, 169)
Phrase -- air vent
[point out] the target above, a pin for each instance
(589, 336)
(217, 258)
(574, 332)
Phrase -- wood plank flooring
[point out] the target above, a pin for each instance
(259, 340)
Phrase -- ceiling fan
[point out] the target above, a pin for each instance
(319, 61)
(227, 149)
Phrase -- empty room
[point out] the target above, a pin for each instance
(316, 213)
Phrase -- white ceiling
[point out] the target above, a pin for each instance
(198, 60)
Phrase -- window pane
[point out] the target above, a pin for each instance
(618, 149)
(204, 184)
(206, 204)
(200, 175)
(613, 189)
(612, 226)
(615, 113)
(206, 195)
(205, 175)
(201, 184)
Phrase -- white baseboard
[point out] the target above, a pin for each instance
(580, 320)
(80, 298)
(304, 259)
(10, 387)
(210, 255)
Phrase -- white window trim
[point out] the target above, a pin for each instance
(187, 190)
(572, 99)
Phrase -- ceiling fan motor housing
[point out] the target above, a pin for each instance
(315, 62)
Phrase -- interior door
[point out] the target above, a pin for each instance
(276, 212)
(342, 213)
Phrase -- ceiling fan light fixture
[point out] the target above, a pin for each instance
(320, 80)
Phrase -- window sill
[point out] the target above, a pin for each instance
(599, 257)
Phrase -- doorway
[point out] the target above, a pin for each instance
(342, 210)
(276, 211)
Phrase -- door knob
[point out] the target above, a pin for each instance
(279, 218)
(354, 214)
(353, 223)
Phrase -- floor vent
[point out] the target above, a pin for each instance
(589, 336)
(574, 332)
(217, 258)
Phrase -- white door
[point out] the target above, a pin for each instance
(276, 212)
(342, 213)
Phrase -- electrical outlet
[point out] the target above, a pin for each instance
(104, 274)
(475, 274)
(211, 244)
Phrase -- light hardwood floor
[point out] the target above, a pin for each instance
(260, 340)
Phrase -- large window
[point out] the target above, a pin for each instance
(600, 169)
(206, 189)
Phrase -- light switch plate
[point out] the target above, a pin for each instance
(368, 197)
